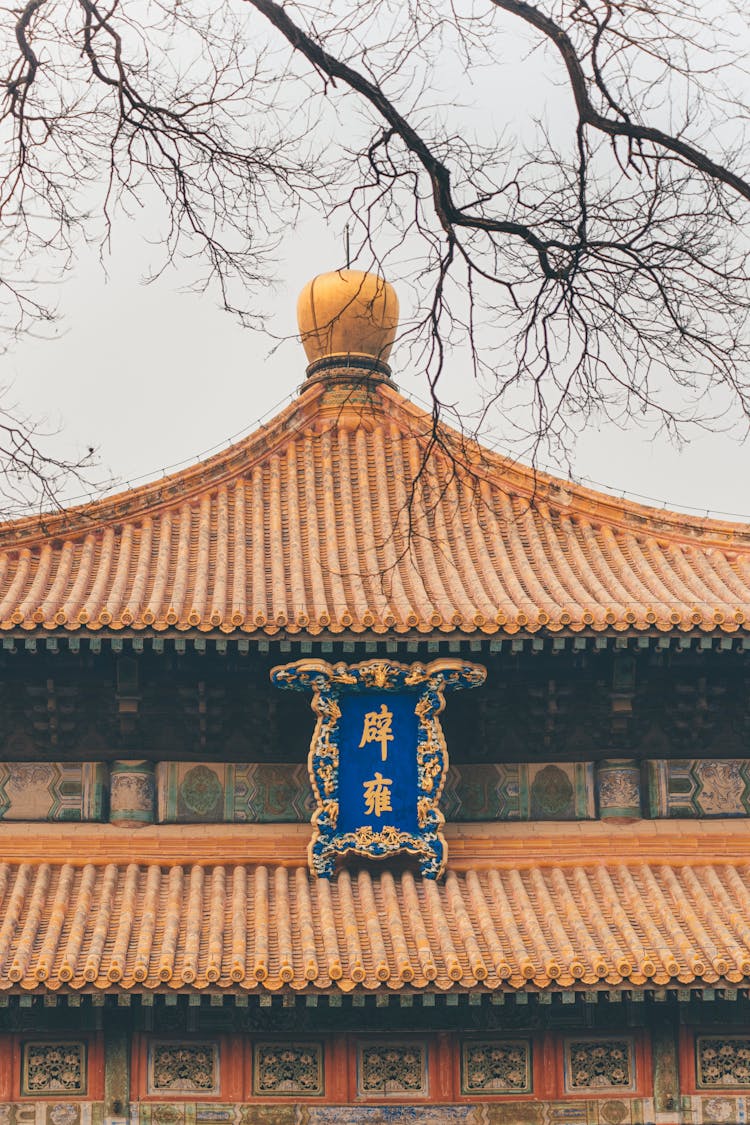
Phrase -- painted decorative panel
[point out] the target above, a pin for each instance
(194, 792)
(721, 1111)
(520, 791)
(49, 1068)
(266, 792)
(561, 791)
(619, 785)
(699, 787)
(482, 792)
(132, 791)
(496, 1066)
(53, 790)
(253, 793)
(392, 1069)
(53, 1113)
(280, 792)
(599, 1063)
(180, 1067)
(228, 1114)
(288, 1068)
(722, 1061)
(609, 1111)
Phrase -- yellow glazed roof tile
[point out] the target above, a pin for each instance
(558, 920)
(310, 525)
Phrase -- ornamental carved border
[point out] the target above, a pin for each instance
(328, 682)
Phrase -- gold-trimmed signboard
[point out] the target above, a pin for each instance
(378, 758)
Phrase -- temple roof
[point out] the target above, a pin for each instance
(563, 920)
(315, 524)
(353, 512)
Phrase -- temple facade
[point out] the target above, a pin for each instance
(499, 874)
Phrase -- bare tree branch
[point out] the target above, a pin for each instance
(614, 127)
(595, 265)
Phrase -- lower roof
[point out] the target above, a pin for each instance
(519, 909)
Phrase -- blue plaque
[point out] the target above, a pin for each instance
(378, 758)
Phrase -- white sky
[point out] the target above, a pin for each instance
(153, 376)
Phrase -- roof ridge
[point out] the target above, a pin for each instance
(470, 454)
(156, 495)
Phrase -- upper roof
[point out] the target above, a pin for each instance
(350, 512)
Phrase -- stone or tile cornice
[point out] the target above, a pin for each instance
(492, 843)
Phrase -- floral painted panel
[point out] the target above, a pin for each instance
(53, 1068)
(720, 1110)
(392, 1069)
(194, 792)
(288, 1068)
(183, 1068)
(36, 1112)
(496, 1066)
(722, 1061)
(55, 791)
(698, 787)
(619, 782)
(599, 1064)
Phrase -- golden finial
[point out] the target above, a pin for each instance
(348, 320)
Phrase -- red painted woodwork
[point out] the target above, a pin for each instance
(555, 1062)
(540, 1068)
(686, 1054)
(231, 1068)
(443, 1060)
(10, 1066)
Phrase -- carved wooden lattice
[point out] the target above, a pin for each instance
(496, 1066)
(53, 1068)
(722, 1061)
(392, 1069)
(288, 1068)
(599, 1064)
(183, 1068)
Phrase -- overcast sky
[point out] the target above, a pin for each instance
(154, 377)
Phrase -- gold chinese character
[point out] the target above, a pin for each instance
(378, 795)
(378, 727)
